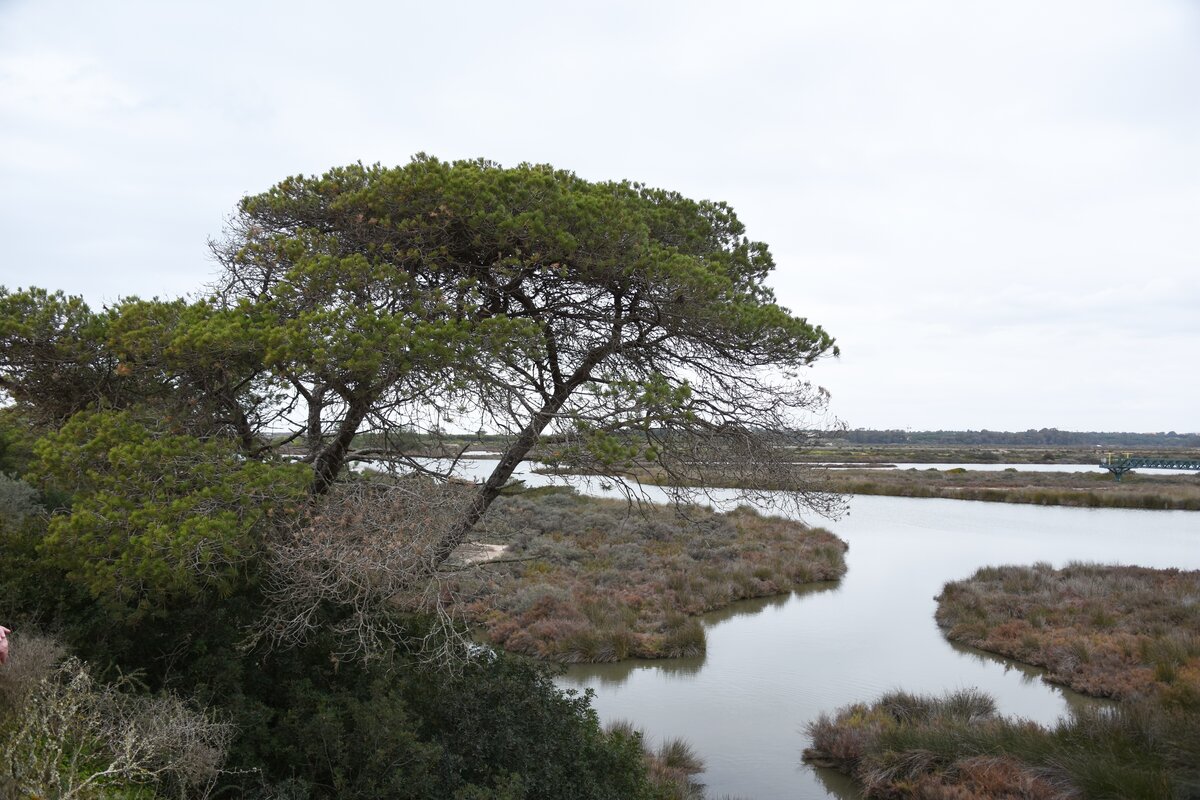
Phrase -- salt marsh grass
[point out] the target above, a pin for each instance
(590, 580)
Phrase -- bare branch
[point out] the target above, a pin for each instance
(360, 561)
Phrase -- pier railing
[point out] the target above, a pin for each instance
(1118, 465)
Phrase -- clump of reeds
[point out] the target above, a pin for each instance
(956, 746)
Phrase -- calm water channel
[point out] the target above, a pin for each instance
(772, 665)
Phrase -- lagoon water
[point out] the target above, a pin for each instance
(775, 664)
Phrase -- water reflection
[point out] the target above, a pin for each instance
(1028, 674)
(754, 605)
(835, 783)
(618, 673)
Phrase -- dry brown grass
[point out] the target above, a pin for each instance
(945, 748)
(957, 748)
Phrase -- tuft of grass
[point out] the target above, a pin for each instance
(684, 638)
(671, 768)
(676, 754)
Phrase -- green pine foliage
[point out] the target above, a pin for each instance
(155, 517)
(153, 452)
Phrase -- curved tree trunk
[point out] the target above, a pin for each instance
(332, 457)
(517, 451)
(490, 489)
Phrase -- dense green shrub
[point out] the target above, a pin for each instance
(493, 728)
(155, 516)
(505, 714)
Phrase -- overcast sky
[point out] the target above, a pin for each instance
(994, 207)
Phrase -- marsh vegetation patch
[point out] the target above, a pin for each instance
(1110, 631)
(589, 580)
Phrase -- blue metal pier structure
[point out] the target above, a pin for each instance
(1118, 465)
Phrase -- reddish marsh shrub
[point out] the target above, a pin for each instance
(905, 746)
(1113, 631)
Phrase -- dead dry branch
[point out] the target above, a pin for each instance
(67, 735)
(358, 562)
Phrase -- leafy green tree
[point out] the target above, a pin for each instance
(16, 442)
(201, 369)
(53, 359)
(612, 321)
(598, 325)
(602, 323)
(370, 334)
(155, 517)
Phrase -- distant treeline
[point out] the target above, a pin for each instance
(1029, 438)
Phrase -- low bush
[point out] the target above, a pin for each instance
(65, 734)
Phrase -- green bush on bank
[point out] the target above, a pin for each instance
(305, 723)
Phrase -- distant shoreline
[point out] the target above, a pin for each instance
(1080, 489)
